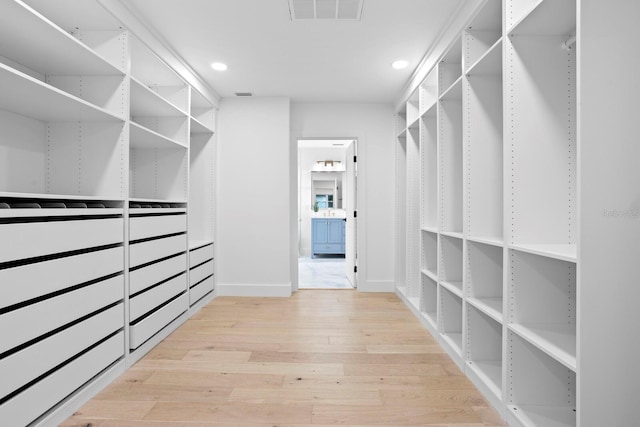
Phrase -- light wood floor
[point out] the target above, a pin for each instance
(333, 357)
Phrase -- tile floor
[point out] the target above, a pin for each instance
(323, 272)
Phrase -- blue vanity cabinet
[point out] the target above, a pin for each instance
(327, 236)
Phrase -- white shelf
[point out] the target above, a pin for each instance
(454, 234)
(547, 416)
(493, 241)
(454, 287)
(429, 229)
(149, 200)
(454, 92)
(197, 127)
(35, 42)
(30, 97)
(490, 64)
(142, 137)
(147, 103)
(558, 341)
(454, 341)
(430, 274)
(561, 252)
(547, 17)
(492, 307)
(489, 372)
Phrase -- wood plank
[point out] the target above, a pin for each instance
(318, 358)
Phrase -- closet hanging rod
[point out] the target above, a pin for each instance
(568, 43)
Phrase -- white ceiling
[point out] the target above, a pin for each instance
(268, 54)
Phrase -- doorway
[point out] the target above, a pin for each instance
(327, 193)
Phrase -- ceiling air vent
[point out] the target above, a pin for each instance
(340, 10)
(244, 94)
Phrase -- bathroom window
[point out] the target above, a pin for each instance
(324, 201)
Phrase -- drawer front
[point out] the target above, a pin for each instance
(142, 278)
(197, 292)
(199, 273)
(200, 255)
(58, 348)
(328, 249)
(142, 227)
(39, 398)
(21, 325)
(149, 326)
(27, 240)
(142, 253)
(147, 301)
(25, 282)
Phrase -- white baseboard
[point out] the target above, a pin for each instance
(377, 286)
(248, 290)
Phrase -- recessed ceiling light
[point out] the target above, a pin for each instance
(219, 66)
(400, 64)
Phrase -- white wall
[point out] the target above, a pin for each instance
(373, 126)
(253, 210)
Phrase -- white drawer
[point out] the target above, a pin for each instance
(142, 278)
(149, 326)
(142, 227)
(200, 255)
(29, 281)
(147, 301)
(197, 292)
(199, 273)
(57, 348)
(39, 398)
(26, 240)
(144, 252)
(26, 323)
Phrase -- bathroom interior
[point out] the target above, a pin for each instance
(326, 185)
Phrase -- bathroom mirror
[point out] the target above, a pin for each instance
(326, 190)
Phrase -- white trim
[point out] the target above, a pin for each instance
(253, 290)
(377, 286)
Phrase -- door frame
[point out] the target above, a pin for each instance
(295, 197)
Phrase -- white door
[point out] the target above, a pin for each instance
(349, 188)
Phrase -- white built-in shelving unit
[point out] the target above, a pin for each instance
(505, 152)
(106, 204)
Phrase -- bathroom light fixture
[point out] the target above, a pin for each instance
(219, 66)
(400, 64)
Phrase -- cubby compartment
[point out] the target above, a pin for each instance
(429, 168)
(150, 72)
(429, 301)
(401, 121)
(541, 17)
(158, 174)
(542, 304)
(413, 108)
(484, 277)
(401, 214)
(430, 254)
(87, 64)
(482, 33)
(451, 264)
(483, 149)
(413, 214)
(450, 312)
(450, 67)
(539, 390)
(541, 107)
(484, 352)
(203, 114)
(451, 156)
(428, 92)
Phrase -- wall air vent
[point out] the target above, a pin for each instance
(244, 94)
(337, 10)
